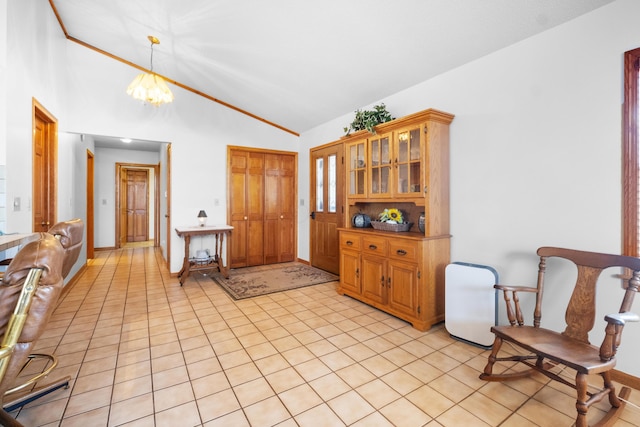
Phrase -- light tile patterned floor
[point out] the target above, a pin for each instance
(144, 351)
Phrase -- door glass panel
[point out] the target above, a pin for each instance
(403, 177)
(360, 181)
(384, 148)
(403, 147)
(375, 153)
(385, 169)
(375, 179)
(415, 163)
(384, 179)
(356, 168)
(332, 178)
(380, 165)
(414, 180)
(360, 155)
(352, 182)
(353, 156)
(320, 184)
(414, 144)
(374, 145)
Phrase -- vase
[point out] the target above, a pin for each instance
(421, 222)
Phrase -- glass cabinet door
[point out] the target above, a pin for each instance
(356, 169)
(380, 167)
(409, 163)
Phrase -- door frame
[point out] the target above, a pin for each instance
(167, 214)
(90, 204)
(51, 147)
(119, 193)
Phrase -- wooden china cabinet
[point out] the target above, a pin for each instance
(404, 165)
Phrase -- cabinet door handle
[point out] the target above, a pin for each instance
(349, 243)
(245, 218)
(373, 247)
(357, 272)
(382, 281)
(389, 282)
(401, 252)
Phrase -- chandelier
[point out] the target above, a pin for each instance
(150, 87)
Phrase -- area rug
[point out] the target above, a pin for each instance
(252, 282)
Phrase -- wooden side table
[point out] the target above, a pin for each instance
(215, 261)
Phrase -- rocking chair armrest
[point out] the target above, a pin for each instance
(613, 333)
(512, 301)
(515, 288)
(621, 318)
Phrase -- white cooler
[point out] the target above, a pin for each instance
(471, 302)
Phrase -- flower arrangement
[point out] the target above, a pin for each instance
(391, 220)
(391, 216)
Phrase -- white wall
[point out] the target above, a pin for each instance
(32, 67)
(535, 152)
(35, 53)
(3, 80)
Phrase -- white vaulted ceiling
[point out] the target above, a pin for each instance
(298, 63)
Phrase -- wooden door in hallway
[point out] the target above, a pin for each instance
(45, 149)
(137, 205)
(132, 214)
(326, 206)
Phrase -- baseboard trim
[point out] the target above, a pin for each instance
(625, 379)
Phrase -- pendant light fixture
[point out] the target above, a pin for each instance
(150, 87)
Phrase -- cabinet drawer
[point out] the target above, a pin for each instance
(404, 249)
(375, 245)
(350, 240)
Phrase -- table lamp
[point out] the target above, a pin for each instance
(202, 218)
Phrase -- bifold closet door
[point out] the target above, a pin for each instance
(261, 207)
(279, 206)
(246, 208)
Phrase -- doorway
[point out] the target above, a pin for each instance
(45, 174)
(326, 206)
(137, 203)
(90, 212)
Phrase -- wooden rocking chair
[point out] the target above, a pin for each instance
(570, 348)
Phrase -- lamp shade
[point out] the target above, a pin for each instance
(150, 88)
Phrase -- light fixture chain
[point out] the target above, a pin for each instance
(151, 56)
